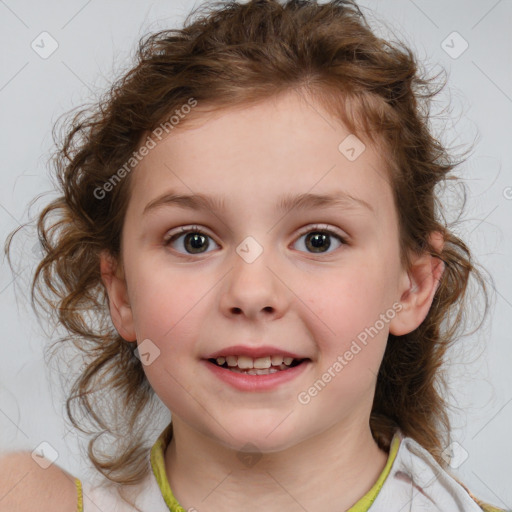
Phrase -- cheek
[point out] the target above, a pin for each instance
(350, 313)
(352, 339)
(170, 318)
(348, 300)
(163, 302)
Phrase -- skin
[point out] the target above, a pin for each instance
(315, 456)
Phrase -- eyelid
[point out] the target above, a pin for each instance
(192, 228)
(184, 229)
(310, 227)
(325, 228)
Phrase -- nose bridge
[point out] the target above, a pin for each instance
(253, 285)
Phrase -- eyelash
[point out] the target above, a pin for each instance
(323, 229)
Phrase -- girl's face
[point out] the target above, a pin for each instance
(321, 281)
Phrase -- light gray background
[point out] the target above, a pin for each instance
(96, 41)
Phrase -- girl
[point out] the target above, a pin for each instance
(248, 235)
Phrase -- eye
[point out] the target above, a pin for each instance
(318, 239)
(194, 240)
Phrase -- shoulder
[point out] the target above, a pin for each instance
(417, 466)
(489, 508)
(486, 507)
(26, 486)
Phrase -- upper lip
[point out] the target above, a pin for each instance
(254, 352)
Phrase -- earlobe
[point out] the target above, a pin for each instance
(119, 304)
(419, 285)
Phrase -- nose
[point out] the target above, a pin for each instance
(254, 289)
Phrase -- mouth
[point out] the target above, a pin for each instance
(258, 366)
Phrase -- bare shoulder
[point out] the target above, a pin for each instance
(26, 486)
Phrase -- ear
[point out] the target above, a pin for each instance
(115, 283)
(418, 287)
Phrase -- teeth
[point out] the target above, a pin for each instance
(260, 363)
(277, 360)
(245, 362)
(232, 360)
(254, 371)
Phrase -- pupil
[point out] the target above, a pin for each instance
(195, 241)
(318, 240)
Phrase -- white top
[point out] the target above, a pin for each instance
(101, 499)
(416, 483)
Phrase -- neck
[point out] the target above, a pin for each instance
(330, 471)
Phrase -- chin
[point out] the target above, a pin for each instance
(260, 434)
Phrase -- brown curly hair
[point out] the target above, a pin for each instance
(238, 54)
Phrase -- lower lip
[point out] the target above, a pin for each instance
(246, 382)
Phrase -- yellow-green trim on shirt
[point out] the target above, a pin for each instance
(158, 465)
(488, 508)
(80, 497)
(363, 505)
(366, 501)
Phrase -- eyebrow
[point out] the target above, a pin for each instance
(339, 199)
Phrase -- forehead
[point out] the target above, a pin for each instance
(286, 144)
